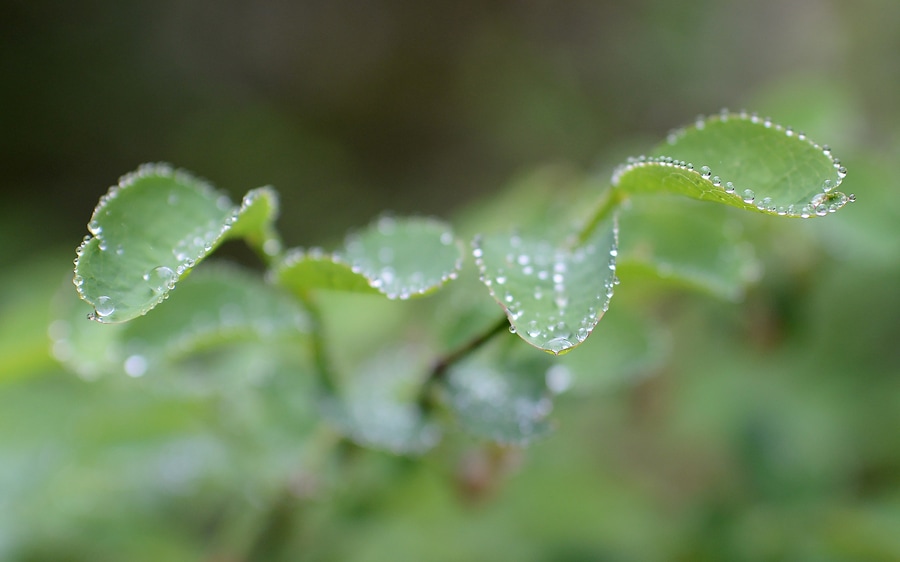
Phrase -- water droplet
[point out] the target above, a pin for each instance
(748, 196)
(705, 171)
(104, 307)
(512, 329)
(95, 228)
(821, 210)
(789, 132)
(818, 199)
(717, 181)
(842, 172)
(768, 204)
(477, 253)
(500, 279)
(558, 345)
(729, 187)
(135, 366)
(160, 279)
(827, 186)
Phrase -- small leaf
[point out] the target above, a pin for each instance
(683, 240)
(552, 294)
(742, 161)
(150, 230)
(503, 405)
(379, 408)
(217, 304)
(399, 258)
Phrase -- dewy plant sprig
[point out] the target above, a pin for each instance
(554, 283)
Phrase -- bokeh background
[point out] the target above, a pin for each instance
(771, 433)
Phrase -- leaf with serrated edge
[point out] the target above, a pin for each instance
(399, 258)
(217, 304)
(553, 295)
(148, 231)
(743, 161)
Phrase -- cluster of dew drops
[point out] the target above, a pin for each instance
(377, 264)
(827, 201)
(553, 331)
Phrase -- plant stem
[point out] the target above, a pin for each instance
(324, 371)
(440, 366)
(610, 202)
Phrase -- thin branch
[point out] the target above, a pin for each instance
(611, 200)
(439, 368)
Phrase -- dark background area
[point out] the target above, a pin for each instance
(350, 108)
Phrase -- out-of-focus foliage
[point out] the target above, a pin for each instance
(767, 430)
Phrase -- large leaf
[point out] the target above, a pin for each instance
(217, 304)
(743, 161)
(148, 231)
(399, 258)
(686, 241)
(552, 293)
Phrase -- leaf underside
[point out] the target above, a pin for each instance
(686, 241)
(148, 231)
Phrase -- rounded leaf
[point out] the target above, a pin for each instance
(743, 161)
(148, 231)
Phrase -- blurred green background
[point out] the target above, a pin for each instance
(772, 432)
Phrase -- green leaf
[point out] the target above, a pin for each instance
(682, 240)
(742, 161)
(398, 258)
(379, 408)
(148, 231)
(506, 405)
(553, 294)
(216, 305)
